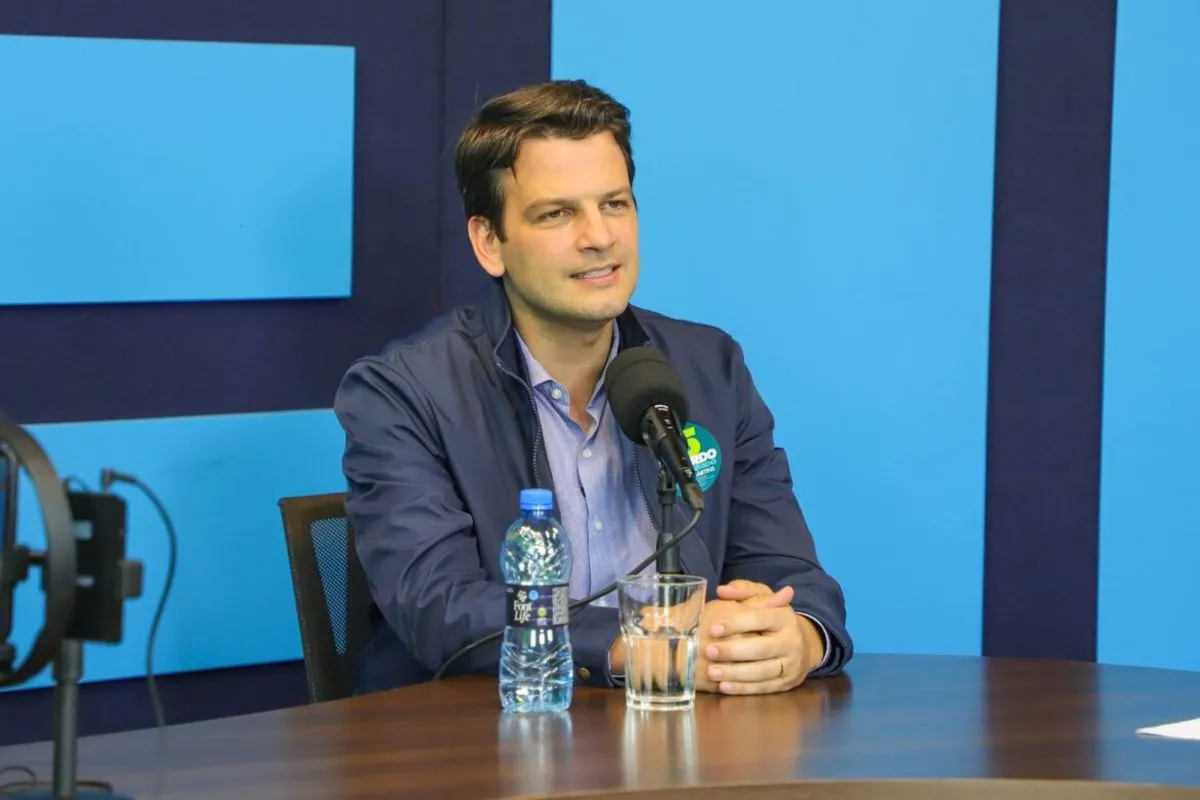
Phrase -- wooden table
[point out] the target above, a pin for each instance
(888, 717)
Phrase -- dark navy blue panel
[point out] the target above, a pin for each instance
(114, 706)
(113, 361)
(519, 56)
(1047, 327)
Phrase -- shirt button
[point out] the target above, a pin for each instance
(599, 525)
(556, 394)
(584, 673)
(587, 453)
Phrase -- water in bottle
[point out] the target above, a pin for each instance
(536, 666)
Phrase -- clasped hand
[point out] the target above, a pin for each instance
(751, 641)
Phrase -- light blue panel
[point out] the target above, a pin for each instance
(135, 171)
(1149, 530)
(816, 178)
(220, 478)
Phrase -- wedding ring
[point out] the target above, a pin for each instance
(780, 660)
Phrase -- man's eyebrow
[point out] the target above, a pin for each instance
(568, 201)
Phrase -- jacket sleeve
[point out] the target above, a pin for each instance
(769, 542)
(416, 539)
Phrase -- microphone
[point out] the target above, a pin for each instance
(648, 402)
(646, 396)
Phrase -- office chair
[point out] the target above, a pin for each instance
(332, 599)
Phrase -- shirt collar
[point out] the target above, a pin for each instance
(540, 379)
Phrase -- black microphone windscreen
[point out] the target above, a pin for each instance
(637, 379)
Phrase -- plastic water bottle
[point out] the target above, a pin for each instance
(536, 666)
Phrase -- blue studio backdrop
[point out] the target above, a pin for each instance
(947, 315)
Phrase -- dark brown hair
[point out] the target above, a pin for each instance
(555, 109)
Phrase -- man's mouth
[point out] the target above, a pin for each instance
(599, 272)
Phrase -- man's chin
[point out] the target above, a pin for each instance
(602, 315)
(586, 323)
(593, 311)
(589, 315)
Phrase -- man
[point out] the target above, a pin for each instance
(446, 426)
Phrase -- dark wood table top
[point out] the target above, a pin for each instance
(888, 717)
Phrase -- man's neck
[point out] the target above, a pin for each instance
(574, 357)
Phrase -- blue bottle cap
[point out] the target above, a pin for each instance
(537, 500)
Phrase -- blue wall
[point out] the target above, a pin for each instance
(174, 170)
(220, 478)
(816, 178)
(1149, 534)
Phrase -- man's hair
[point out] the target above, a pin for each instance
(555, 109)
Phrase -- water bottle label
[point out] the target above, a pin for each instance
(538, 606)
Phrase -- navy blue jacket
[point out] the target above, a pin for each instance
(442, 435)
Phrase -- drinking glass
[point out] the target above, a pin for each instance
(660, 619)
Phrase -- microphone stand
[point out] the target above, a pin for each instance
(668, 560)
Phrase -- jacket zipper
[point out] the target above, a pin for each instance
(537, 422)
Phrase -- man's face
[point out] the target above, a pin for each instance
(571, 254)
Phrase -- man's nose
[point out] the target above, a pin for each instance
(595, 232)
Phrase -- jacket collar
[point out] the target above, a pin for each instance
(498, 327)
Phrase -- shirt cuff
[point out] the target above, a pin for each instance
(618, 679)
(825, 636)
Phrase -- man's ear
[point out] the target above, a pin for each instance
(486, 244)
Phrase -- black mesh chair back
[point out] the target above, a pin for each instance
(332, 600)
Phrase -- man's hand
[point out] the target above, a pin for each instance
(743, 591)
(750, 641)
(721, 612)
(754, 642)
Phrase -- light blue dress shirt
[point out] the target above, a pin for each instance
(596, 494)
